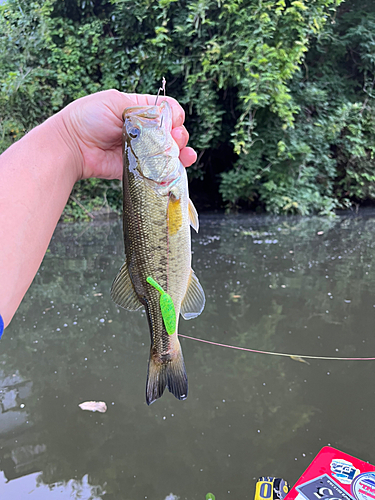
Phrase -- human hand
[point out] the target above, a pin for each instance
(93, 125)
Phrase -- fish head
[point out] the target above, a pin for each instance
(147, 139)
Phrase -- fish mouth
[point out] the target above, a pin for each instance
(150, 112)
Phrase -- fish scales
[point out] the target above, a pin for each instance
(146, 259)
(157, 214)
(156, 253)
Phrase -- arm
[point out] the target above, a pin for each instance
(38, 173)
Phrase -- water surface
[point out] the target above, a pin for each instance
(301, 286)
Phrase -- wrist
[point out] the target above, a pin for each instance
(65, 144)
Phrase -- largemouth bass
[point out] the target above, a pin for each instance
(157, 214)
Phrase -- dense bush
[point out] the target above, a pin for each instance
(326, 159)
(278, 94)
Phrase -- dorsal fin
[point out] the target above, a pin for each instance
(193, 216)
(194, 300)
(122, 291)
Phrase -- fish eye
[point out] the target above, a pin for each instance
(134, 132)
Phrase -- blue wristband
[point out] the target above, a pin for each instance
(1, 326)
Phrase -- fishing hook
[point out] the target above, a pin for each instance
(163, 83)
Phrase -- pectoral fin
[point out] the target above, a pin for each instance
(122, 291)
(193, 216)
(194, 299)
(174, 215)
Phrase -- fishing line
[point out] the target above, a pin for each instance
(303, 356)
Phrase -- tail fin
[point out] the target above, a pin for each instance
(166, 371)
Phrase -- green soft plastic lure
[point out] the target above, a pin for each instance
(168, 311)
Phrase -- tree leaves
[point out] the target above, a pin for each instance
(296, 111)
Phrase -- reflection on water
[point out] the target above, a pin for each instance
(305, 286)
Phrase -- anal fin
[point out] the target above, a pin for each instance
(194, 300)
(122, 291)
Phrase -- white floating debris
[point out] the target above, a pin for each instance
(94, 406)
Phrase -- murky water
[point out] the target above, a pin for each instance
(302, 286)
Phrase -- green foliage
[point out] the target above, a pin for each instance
(286, 88)
(91, 198)
(325, 161)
